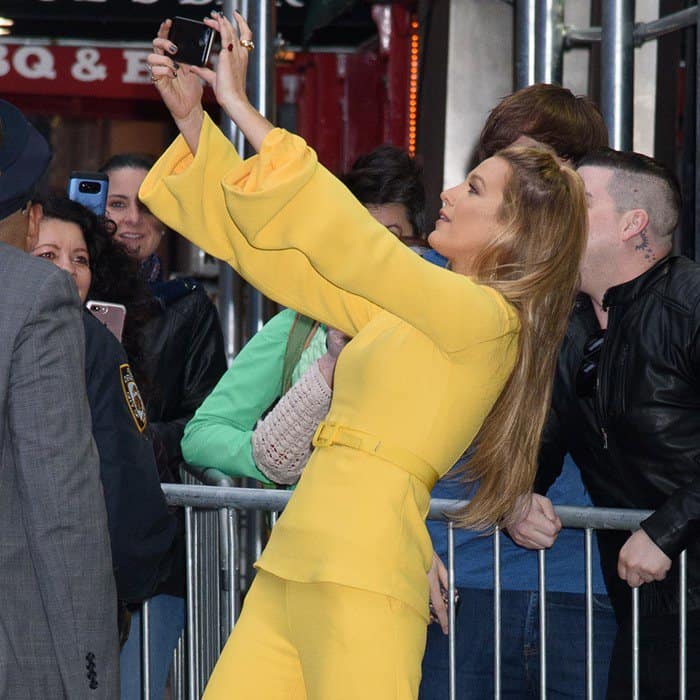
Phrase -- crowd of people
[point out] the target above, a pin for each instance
(538, 347)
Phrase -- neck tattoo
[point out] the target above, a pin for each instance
(645, 248)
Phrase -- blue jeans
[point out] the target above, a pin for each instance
(566, 647)
(166, 617)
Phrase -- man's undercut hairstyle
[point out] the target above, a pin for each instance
(388, 175)
(641, 182)
(572, 125)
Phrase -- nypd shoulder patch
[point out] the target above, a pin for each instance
(133, 398)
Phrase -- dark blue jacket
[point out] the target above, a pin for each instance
(141, 528)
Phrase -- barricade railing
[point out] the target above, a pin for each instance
(213, 584)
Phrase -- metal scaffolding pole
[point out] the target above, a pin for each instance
(524, 43)
(617, 71)
(646, 31)
(643, 31)
(227, 277)
(581, 36)
(549, 41)
(260, 16)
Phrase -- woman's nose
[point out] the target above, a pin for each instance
(133, 212)
(67, 265)
(446, 197)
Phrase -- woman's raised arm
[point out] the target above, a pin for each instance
(229, 79)
(306, 242)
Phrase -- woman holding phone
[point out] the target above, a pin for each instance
(339, 606)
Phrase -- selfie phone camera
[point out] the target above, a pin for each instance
(193, 40)
(90, 190)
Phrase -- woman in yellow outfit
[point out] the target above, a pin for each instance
(339, 606)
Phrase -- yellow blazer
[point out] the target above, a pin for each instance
(431, 350)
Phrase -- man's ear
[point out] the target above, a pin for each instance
(634, 222)
(35, 213)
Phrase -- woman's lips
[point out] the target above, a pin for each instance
(130, 236)
(443, 218)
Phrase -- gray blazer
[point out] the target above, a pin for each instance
(58, 636)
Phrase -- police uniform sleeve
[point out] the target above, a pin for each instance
(141, 528)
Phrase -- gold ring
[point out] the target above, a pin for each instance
(248, 44)
(154, 79)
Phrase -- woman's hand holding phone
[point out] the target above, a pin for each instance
(181, 90)
(229, 79)
(179, 86)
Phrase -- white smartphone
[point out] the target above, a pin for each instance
(111, 315)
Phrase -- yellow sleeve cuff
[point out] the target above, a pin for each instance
(185, 193)
(264, 184)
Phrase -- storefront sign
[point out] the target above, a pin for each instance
(79, 71)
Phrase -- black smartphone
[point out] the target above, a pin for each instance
(193, 40)
(90, 190)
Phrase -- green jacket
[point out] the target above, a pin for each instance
(218, 436)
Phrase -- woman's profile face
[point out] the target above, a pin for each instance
(469, 216)
(137, 229)
(62, 243)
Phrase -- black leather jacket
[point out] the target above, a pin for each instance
(183, 360)
(637, 441)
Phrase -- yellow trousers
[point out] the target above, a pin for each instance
(320, 641)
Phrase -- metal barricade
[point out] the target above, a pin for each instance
(213, 586)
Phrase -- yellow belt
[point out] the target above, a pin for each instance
(328, 434)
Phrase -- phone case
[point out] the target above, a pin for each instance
(193, 40)
(109, 314)
(90, 190)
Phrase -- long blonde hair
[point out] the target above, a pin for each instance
(534, 264)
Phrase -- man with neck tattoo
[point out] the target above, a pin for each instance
(626, 406)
